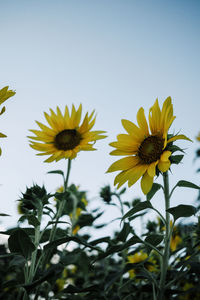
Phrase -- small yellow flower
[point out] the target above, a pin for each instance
(75, 229)
(141, 256)
(175, 241)
(66, 136)
(145, 149)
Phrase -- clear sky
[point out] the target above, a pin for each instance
(112, 56)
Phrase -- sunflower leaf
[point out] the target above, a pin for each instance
(138, 207)
(182, 211)
(154, 189)
(56, 172)
(154, 239)
(184, 183)
(20, 242)
(4, 215)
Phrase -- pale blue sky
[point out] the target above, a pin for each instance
(111, 56)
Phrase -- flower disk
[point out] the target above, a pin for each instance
(145, 147)
(66, 136)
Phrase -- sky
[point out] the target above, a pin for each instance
(112, 56)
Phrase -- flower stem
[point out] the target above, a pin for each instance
(37, 241)
(165, 257)
(61, 204)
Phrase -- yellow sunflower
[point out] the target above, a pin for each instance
(198, 137)
(138, 257)
(66, 136)
(5, 93)
(145, 149)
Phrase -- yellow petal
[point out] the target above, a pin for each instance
(165, 156)
(164, 166)
(146, 183)
(2, 135)
(179, 137)
(124, 164)
(142, 122)
(152, 169)
(77, 117)
(154, 118)
(133, 130)
(121, 152)
(136, 173)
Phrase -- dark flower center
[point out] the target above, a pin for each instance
(67, 139)
(151, 149)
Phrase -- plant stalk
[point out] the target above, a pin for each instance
(165, 257)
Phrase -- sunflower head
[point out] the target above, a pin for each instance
(66, 135)
(147, 147)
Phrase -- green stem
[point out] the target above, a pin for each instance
(58, 214)
(121, 204)
(37, 241)
(61, 204)
(165, 257)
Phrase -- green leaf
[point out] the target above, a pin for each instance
(124, 232)
(182, 211)
(71, 289)
(20, 242)
(184, 183)
(17, 261)
(105, 239)
(154, 189)
(54, 244)
(32, 220)
(154, 239)
(118, 248)
(56, 172)
(4, 215)
(138, 207)
(176, 159)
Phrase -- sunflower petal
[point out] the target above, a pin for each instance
(124, 164)
(133, 130)
(152, 169)
(146, 183)
(178, 137)
(165, 156)
(164, 166)
(142, 122)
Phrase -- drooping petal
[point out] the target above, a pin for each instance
(165, 156)
(146, 183)
(152, 169)
(164, 166)
(136, 173)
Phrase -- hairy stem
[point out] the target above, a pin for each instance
(165, 257)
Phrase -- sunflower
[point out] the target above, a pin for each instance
(66, 136)
(146, 150)
(138, 257)
(5, 93)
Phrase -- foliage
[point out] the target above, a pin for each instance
(78, 266)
